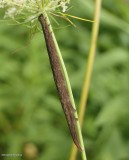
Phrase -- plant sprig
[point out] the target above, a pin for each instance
(26, 12)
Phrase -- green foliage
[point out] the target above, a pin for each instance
(31, 118)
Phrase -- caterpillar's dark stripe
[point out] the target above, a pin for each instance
(59, 80)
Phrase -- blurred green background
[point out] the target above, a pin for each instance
(31, 117)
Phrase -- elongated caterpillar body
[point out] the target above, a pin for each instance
(59, 80)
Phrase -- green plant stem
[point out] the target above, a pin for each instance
(69, 88)
(89, 67)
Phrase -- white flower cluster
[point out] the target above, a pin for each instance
(31, 8)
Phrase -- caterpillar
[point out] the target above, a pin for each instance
(59, 80)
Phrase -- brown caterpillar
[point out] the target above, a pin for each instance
(60, 80)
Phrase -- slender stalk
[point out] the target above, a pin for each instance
(68, 87)
(88, 73)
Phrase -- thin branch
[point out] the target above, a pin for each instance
(89, 67)
(55, 44)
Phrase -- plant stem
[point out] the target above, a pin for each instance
(89, 67)
(68, 87)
